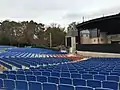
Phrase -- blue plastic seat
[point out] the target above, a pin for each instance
(49, 86)
(83, 72)
(35, 85)
(81, 82)
(113, 78)
(110, 84)
(73, 71)
(94, 83)
(31, 78)
(46, 73)
(56, 74)
(37, 73)
(6, 72)
(65, 87)
(87, 76)
(65, 81)
(115, 73)
(11, 76)
(103, 89)
(1, 83)
(75, 75)
(42, 79)
(28, 72)
(65, 74)
(99, 77)
(104, 73)
(20, 77)
(83, 88)
(12, 72)
(53, 80)
(9, 84)
(93, 72)
(65, 71)
(20, 72)
(21, 85)
(3, 76)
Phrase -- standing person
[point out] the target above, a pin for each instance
(75, 52)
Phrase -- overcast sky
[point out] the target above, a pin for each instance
(57, 11)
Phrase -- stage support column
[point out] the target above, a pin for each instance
(79, 38)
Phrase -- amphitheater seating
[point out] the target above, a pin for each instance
(52, 73)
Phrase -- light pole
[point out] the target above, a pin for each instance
(50, 40)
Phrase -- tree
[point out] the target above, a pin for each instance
(30, 33)
(58, 35)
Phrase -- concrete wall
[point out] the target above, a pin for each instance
(97, 54)
(94, 40)
(73, 44)
(85, 39)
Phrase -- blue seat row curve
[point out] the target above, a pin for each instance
(32, 85)
(91, 74)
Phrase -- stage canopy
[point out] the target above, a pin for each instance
(109, 24)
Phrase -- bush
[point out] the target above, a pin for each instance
(45, 47)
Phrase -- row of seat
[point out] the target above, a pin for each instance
(34, 50)
(6, 65)
(67, 75)
(69, 71)
(32, 85)
(94, 73)
(89, 66)
(75, 81)
(28, 62)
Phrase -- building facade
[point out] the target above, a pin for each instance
(93, 36)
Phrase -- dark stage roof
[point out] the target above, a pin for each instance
(109, 24)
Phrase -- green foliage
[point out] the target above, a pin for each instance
(30, 34)
(45, 47)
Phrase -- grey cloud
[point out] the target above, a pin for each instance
(95, 14)
(62, 11)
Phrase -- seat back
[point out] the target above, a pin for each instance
(28, 72)
(49, 86)
(9, 84)
(65, 81)
(75, 75)
(53, 80)
(46, 73)
(99, 77)
(56, 74)
(65, 87)
(104, 73)
(12, 72)
(35, 85)
(21, 85)
(37, 73)
(110, 84)
(93, 72)
(94, 83)
(6, 72)
(87, 76)
(113, 78)
(1, 83)
(3, 76)
(42, 79)
(65, 74)
(11, 76)
(20, 77)
(20, 72)
(30, 78)
(103, 89)
(81, 82)
(83, 88)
